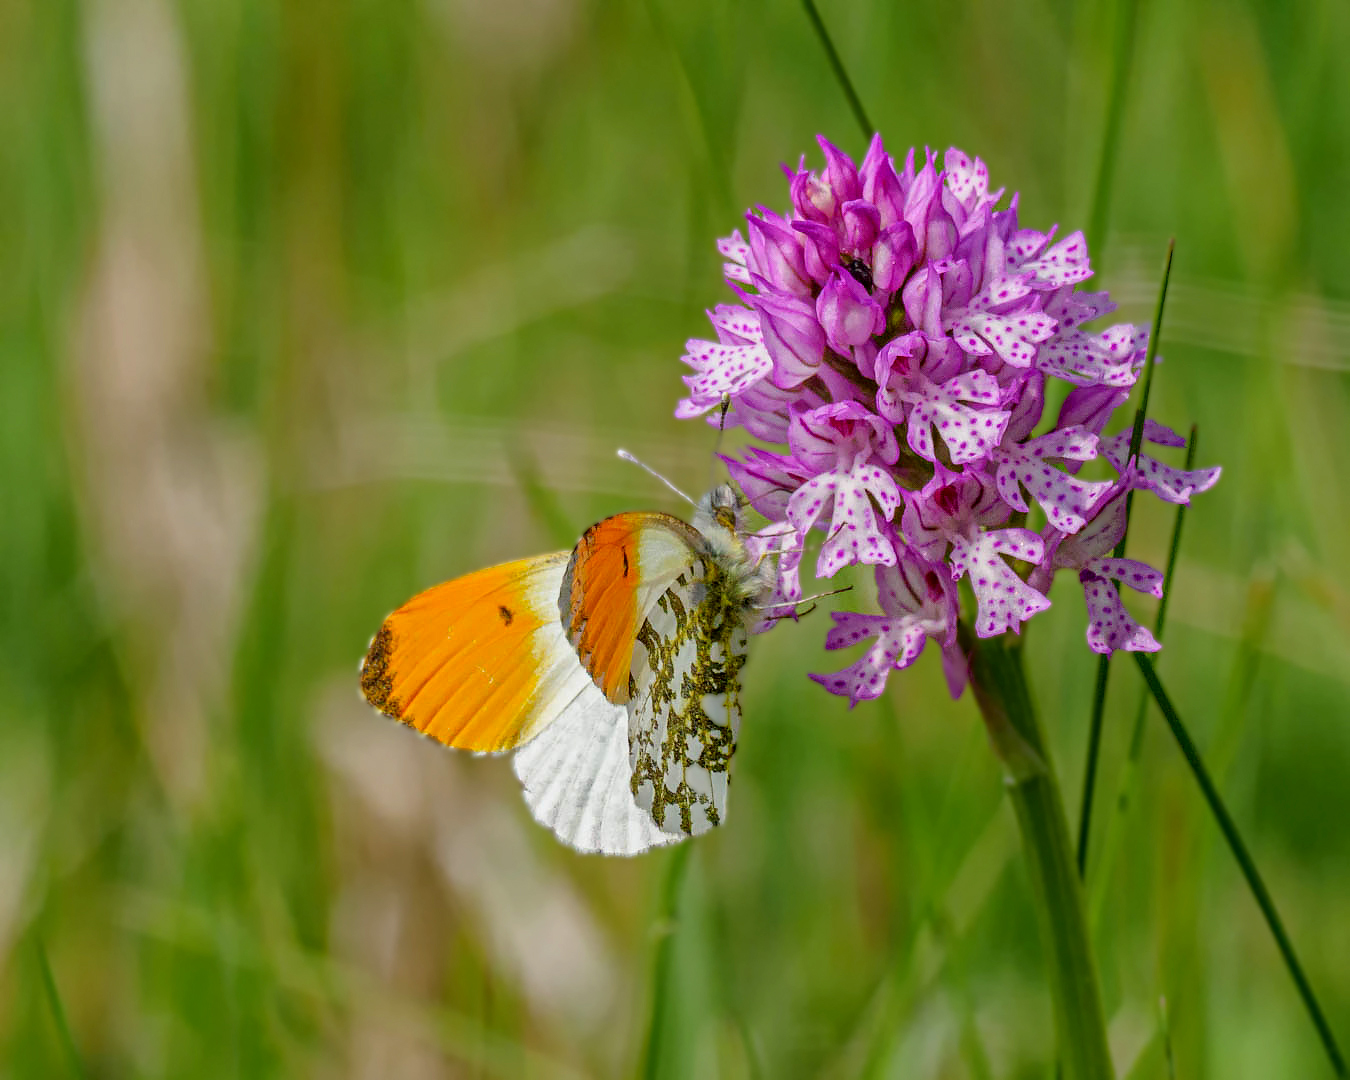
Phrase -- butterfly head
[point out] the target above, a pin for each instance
(720, 517)
(720, 509)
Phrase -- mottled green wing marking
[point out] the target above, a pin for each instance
(685, 713)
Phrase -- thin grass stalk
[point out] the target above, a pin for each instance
(1174, 548)
(928, 949)
(1127, 20)
(840, 74)
(718, 169)
(1244, 860)
(53, 995)
(1001, 692)
(1150, 356)
(1129, 774)
(1094, 749)
(541, 501)
(1103, 661)
(667, 922)
(1099, 211)
(1165, 1024)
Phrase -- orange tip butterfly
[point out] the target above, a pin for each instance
(612, 672)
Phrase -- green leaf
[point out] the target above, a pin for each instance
(1244, 859)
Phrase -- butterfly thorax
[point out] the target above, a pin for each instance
(747, 582)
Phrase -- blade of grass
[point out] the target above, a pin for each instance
(725, 992)
(701, 117)
(1103, 662)
(1165, 1022)
(1126, 22)
(1160, 620)
(312, 974)
(1094, 749)
(666, 925)
(753, 1065)
(1130, 772)
(837, 65)
(63, 1031)
(954, 896)
(1099, 211)
(1244, 859)
(544, 505)
(1155, 332)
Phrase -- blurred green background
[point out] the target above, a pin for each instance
(309, 305)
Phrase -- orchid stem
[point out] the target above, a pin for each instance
(1004, 699)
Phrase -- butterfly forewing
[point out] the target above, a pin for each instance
(650, 609)
(478, 662)
(617, 570)
(482, 663)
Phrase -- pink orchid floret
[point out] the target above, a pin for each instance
(918, 601)
(894, 338)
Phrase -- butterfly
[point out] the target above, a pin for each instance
(612, 671)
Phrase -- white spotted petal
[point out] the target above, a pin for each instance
(1110, 626)
(969, 433)
(1066, 500)
(1166, 481)
(1005, 600)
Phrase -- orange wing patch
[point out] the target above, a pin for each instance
(617, 570)
(462, 661)
(602, 576)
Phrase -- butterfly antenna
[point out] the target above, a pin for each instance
(747, 500)
(796, 613)
(642, 464)
(822, 595)
(806, 599)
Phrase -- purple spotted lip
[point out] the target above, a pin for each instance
(891, 345)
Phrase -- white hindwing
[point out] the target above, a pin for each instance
(576, 779)
(685, 713)
(575, 770)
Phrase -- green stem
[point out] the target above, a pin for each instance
(1129, 773)
(73, 1060)
(837, 66)
(1093, 753)
(1244, 859)
(1103, 661)
(654, 1051)
(1003, 697)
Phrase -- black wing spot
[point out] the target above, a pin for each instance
(377, 678)
(624, 553)
(506, 613)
